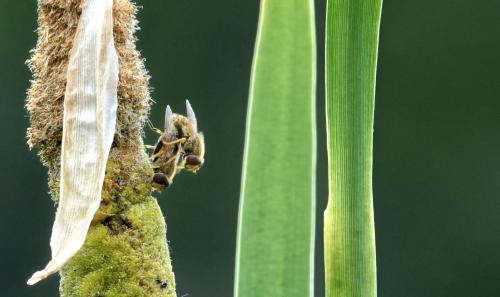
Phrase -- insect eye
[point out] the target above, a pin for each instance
(193, 160)
(161, 179)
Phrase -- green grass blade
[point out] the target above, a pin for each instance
(352, 30)
(276, 221)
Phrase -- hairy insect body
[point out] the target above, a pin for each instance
(165, 159)
(193, 148)
(179, 147)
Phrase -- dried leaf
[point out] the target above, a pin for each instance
(89, 125)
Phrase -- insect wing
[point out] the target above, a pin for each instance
(158, 146)
(191, 116)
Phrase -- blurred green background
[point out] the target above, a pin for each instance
(437, 144)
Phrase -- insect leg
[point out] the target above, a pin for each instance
(156, 155)
(180, 141)
(150, 124)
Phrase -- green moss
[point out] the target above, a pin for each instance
(128, 261)
(127, 181)
(125, 252)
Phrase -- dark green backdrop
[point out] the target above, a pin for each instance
(437, 144)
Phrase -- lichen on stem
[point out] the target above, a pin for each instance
(125, 253)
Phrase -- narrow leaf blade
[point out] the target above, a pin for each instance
(276, 221)
(352, 31)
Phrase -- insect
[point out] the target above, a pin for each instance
(180, 146)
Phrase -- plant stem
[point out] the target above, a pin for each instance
(352, 30)
(125, 252)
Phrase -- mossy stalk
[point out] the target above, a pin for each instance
(126, 252)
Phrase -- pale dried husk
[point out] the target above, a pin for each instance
(90, 106)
